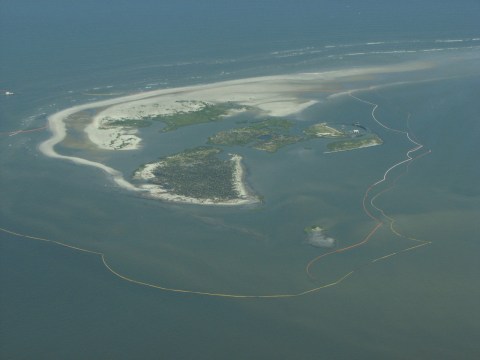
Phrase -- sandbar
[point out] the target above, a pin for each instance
(279, 95)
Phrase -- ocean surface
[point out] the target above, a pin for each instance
(384, 299)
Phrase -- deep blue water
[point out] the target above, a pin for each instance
(57, 303)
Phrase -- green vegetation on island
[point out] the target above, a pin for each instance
(126, 123)
(276, 142)
(273, 133)
(196, 112)
(268, 135)
(356, 143)
(324, 130)
(353, 136)
(197, 173)
(203, 113)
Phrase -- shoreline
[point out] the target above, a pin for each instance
(278, 95)
(58, 129)
(343, 150)
(158, 192)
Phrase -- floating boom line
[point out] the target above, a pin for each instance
(379, 223)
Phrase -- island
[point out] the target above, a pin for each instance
(197, 112)
(116, 128)
(316, 237)
(351, 136)
(197, 176)
(324, 130)
(268, 135)
(258, 113)
(352, 144)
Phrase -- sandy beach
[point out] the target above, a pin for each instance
(358, 147)
(156, 191)
(272, 95)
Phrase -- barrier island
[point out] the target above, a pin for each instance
(350, 136)
(356, 143)
(272, 104)
(197, 176)
(268, 135)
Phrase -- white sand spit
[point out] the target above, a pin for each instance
(274, 95)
